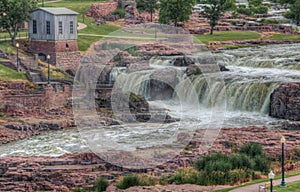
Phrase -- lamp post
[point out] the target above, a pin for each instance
(271, 177)
(17, 46)
(48, 59)
(282, 140)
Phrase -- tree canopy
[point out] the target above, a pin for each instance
(147, 5)
(13, 13)
(175, 11)
(294, 12)
(215, 10)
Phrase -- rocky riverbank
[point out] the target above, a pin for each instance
(72, 171)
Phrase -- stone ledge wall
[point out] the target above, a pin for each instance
(19, 102)
(285, 102)
(99, 10)
(263, 28)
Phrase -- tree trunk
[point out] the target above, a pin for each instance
(211, 30)
(151, 16)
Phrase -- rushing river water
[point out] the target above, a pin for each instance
(240, 99)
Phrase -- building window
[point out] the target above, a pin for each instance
(60, 27)
(48, 27)
(71, 27)
(34, 27)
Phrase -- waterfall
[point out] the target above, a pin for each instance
(115, 72)
(136, 82)
(241, 96)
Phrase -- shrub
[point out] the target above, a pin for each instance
(119, 11)
(241, 161)
(186, 175)
(101, 184)
(128, 181)
(146, 180)
(252, 149)
(256, 175)
(163, 180)
(261, 164)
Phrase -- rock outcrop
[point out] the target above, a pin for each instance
(163, 83)
(285, 102)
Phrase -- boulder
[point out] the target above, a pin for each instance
(162, 84)
(285, 102)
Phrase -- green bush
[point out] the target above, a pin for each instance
(244, 10)
(119, 11)
(146, 180)
(261, 164)
(128, 181)
(267, 21)
(134, 180)
(252, 149)
(101, 184)
(163, 180)
(241, 161)
(186, 175)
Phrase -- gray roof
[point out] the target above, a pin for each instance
(57, 10)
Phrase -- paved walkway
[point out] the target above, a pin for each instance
(254, 188)
(81, 26)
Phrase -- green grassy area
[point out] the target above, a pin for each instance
(80, 6)
(55, 73)
(7, 74)
(259, 181)
(227, 36)
(7, 47)
(5, 36)
(291, 187)
(287, 37)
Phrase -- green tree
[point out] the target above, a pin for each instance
(148, 6)
(13, 13)
(294, 12)
(215, 10)
(175, 10)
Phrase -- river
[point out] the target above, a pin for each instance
(235, 98)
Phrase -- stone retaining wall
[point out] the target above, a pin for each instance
(19, 102)
(262, 28)
(100, 10)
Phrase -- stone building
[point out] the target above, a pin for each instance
(53, 31)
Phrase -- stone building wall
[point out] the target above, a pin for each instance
(99, 10)
(68, 60)
(63, 54)
(285, 102)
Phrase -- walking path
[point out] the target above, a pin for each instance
(254, 188)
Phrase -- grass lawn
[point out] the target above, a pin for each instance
(80, 6)
(259, 181)
(291, 187)
(288, 37)
(7, 74)
(227, 36)
(6, 46)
